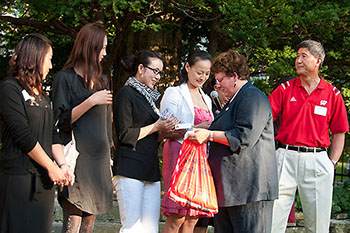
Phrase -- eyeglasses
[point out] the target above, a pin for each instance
(155, 71)
(219, 80)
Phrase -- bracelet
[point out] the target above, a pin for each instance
(62, 164)
(211, 136)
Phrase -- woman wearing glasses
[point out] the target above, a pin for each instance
(189, 104)
(137, 123)
(242, 152)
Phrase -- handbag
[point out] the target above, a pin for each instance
(192, 183)
(71, 153)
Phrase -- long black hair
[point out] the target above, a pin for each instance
(192, 58)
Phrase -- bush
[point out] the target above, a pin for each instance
(341, 198)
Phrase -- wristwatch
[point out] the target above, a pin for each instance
(335, 163)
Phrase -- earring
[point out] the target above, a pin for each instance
(235, 84)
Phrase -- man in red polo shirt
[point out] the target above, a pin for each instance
(308, 107)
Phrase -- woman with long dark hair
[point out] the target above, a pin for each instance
(82, 105)
(30, 142)
(191, 105)
(137, 123)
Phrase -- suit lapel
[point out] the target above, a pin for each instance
(187, 96)
(226, 108)
(207, 102)
(229, 105)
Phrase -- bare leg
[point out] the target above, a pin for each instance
(87, 223)
(173, 223)
(71, 224)
(71, 217)
(188, 224)
(200, 230)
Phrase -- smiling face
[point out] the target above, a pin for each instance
(198, 73)
(103, 50)
(305, 63)
(150, 74)
(47, 65)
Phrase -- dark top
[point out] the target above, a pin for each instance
(92, 191)
(246, 170)
(24, 122)
(134, 158)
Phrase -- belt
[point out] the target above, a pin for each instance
(302, 148)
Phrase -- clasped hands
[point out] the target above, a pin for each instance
(62, 176)
(198, 135)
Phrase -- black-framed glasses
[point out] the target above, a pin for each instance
(219, 80)
(155, 71)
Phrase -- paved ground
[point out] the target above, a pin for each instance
(110, 222)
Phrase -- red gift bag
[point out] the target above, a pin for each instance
(192, 183)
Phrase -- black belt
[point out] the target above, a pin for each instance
(302, 148)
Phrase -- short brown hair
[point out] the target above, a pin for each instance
(231, 62)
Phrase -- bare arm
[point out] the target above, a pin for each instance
(98, 98)
(337, 146)
(203, 135)
(58, 155)
(220, 137)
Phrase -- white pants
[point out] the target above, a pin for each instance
(139, 204)
(312, 174)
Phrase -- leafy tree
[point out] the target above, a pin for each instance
(266, 31)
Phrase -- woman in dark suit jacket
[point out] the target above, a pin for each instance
(241, 154)
(136, 165)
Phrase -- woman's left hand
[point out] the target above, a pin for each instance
(198, 135)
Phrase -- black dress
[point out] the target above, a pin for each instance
(92, 191)
(27, 194)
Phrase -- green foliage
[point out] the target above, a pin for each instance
(346, 94)
(341, 198)
(142, 25)
(267, 32)
(263, 84)
(298, 207)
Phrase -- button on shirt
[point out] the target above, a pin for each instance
(306, 119)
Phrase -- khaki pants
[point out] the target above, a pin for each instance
(312, 174)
